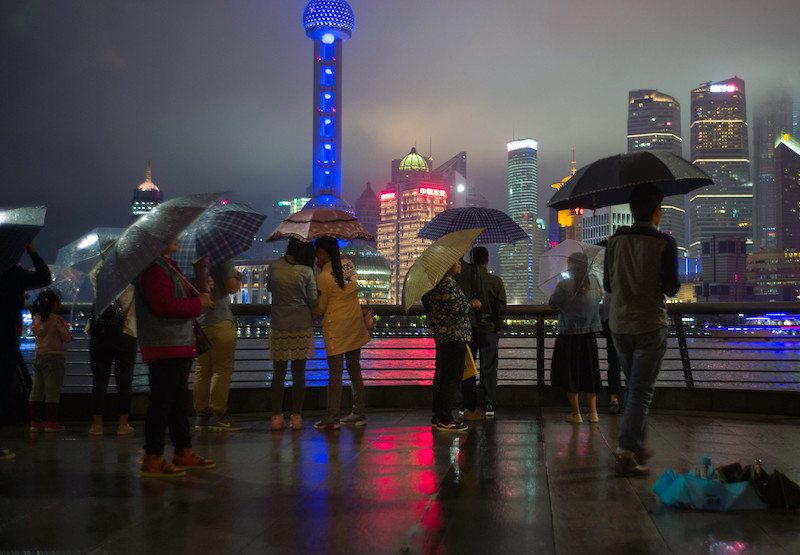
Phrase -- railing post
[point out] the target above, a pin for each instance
(683, 349)
(540, 349)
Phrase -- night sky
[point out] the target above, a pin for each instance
(217, 95)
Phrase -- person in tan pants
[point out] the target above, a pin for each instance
(212, 377)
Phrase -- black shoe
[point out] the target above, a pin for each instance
(488, 409)
(627, 466)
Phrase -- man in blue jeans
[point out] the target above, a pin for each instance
(641, 267)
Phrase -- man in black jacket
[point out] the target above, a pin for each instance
(13, 284)
(641, 267)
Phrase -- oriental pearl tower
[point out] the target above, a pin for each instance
(329, 23)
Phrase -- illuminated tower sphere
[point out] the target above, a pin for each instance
(329, 23)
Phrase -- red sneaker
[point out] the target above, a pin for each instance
(53, 427)
(189, 459)
(155, 466)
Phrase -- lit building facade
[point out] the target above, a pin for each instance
(773, 117)
(254, 282)
(654, 123)
(724, 262)
(145, 197)
(519, 263)
(787, 169)
(406, 206)
(719, 146)
(329, 23)
(774, 275)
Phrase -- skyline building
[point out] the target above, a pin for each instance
(368, 209)
(654, 123)
(519, 263)
(406, 205)
(787, 169)
(719, 147)
(329, 23)
(145, 197)
(772, 117)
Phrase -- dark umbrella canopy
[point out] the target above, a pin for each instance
(497, 226)
(18, 227)
(609, 181)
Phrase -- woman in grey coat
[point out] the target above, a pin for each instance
(291, 337)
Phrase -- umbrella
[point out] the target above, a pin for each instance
(144, 240)
(497, 226)
(554, 264)
(433, 263)
(224, 231)
(83, 253)
(311, 223)
(69, 282)
(18, 227)
(609, 181)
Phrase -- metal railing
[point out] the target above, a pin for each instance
(402, 350)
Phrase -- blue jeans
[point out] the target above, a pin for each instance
(640, 357)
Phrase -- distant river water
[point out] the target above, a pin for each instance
(716, 362)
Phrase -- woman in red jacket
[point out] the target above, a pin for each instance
(166, 307)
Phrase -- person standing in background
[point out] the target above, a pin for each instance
(291, 333)
(478, 283)
(212, 376)
(13, 284)
(344, 331)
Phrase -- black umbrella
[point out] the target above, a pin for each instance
(609, 181)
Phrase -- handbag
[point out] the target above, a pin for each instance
(369, 318)
(470, 370)
(202, 343)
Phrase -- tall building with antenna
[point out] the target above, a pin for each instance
(145, 197)
(329, 23)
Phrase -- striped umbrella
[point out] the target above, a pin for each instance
(497, 226)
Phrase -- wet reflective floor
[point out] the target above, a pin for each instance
(523, 482)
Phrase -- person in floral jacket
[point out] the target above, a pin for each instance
(448, 316)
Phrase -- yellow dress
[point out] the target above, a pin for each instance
(342, 323)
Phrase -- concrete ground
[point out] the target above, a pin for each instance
(522, 482)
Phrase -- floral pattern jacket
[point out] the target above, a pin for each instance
(448, 312)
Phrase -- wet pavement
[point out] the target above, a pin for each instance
(523, 482)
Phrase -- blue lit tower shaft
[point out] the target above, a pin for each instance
(329, 23)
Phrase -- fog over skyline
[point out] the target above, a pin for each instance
(217, 95)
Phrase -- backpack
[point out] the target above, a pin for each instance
(111, 321)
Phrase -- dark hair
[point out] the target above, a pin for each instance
(480, 255)
(331, 246)
(644, 200)
(301, 252)
(48, 298)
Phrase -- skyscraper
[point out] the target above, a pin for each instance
(787, 169)
(145, 197)
(519, 262)
(407, 204)
(368, 209)
(329, 23)
(654, 123)
(773, 117)
(719, 147)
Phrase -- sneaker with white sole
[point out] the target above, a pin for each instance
(357, 420)
(450, 427)
(328, 425)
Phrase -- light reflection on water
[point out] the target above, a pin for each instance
(715, 362)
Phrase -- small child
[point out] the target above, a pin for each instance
(51, 333)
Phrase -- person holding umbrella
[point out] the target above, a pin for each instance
(344, 331)
(291, 332)
(212, 376)
(14, 281)
(166, 306)
(448, 310)
(641, 267)
(575, 364)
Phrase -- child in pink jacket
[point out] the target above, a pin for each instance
(51, 334)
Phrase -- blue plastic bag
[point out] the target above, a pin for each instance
(692, 492)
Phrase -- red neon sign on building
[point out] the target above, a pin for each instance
(432, 191)
(387, 196)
